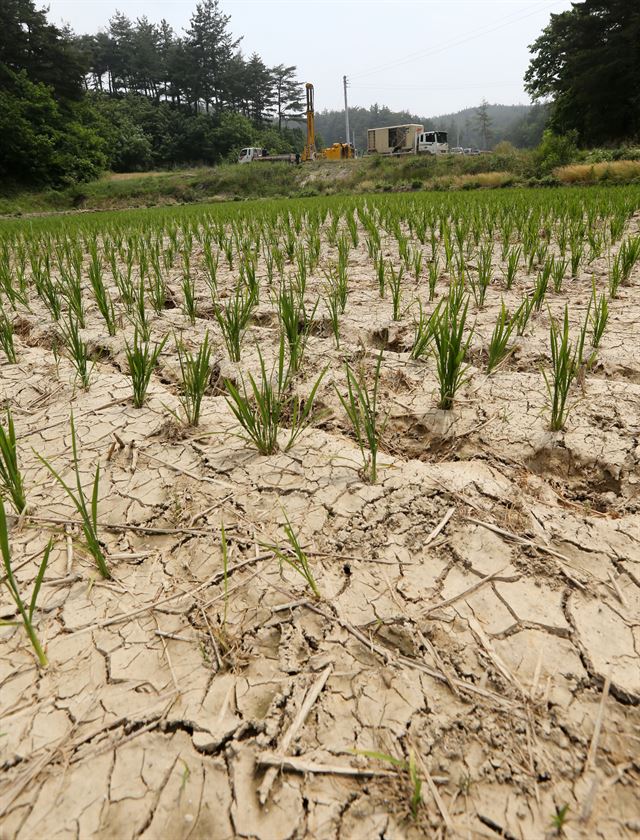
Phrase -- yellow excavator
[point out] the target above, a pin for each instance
(339, 151)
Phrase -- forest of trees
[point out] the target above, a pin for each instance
(587, 63)
(134, 97)
(139, 95)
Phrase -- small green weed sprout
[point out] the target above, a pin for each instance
(295, 557)
(410, 767)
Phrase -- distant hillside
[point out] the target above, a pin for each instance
(521, 125)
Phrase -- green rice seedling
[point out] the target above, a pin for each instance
(599, 316)
(352, 227)
(336, 302)
(424, 329)
(361, 406)
(6, 337)
(189, 296)
(480, 285)
(434, 274)
(139, 314)
(382, 278)
(542, 284)
(11, 481)
(558, 270)
(49, 293)
(72, 291)
(541, 251)
(100, 291)
(295, 322)
(234, 319)
(615, 277)
(513, 260)
(337, 281)
(196, 375)
(451, 349)
(629, 255)
(294, 556)
(596, 244)
(141, 360)
(26, 612)
(77, 350)
(565, 363)
(523, 313)
(582, 340)
(249, 275)
(499, 349)
(88, 510)
(417, 260)
(211, 262)
(278, 258)
(263, 408)
(576, 247)
(157, 285)
(395, 285)
(269, 264)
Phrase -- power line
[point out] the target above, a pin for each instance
(479, 33)
(436, 87)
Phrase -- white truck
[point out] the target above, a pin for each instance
(256, 153)
(410, 139)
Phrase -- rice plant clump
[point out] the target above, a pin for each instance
(141, 360)
(451, 349)
(196, 374)
(565, 362)
(361, 406)
(265, 406)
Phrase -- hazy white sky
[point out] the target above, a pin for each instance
(427, 56)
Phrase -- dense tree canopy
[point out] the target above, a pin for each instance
(133, 97)
(587, 61)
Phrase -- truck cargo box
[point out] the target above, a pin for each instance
(393, 140)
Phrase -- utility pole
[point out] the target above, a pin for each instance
(346, 108)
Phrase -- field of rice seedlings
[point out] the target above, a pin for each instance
(321, 518)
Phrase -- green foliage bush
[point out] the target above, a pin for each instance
(44, 142)
(555, 150)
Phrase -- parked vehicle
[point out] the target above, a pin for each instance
(257, 153)
(410, 139)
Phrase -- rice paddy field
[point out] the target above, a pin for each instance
(321, 519)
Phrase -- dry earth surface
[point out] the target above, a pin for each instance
(480, 605)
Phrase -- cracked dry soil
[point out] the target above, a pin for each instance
(501, 648)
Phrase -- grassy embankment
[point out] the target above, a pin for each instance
(231, 182)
